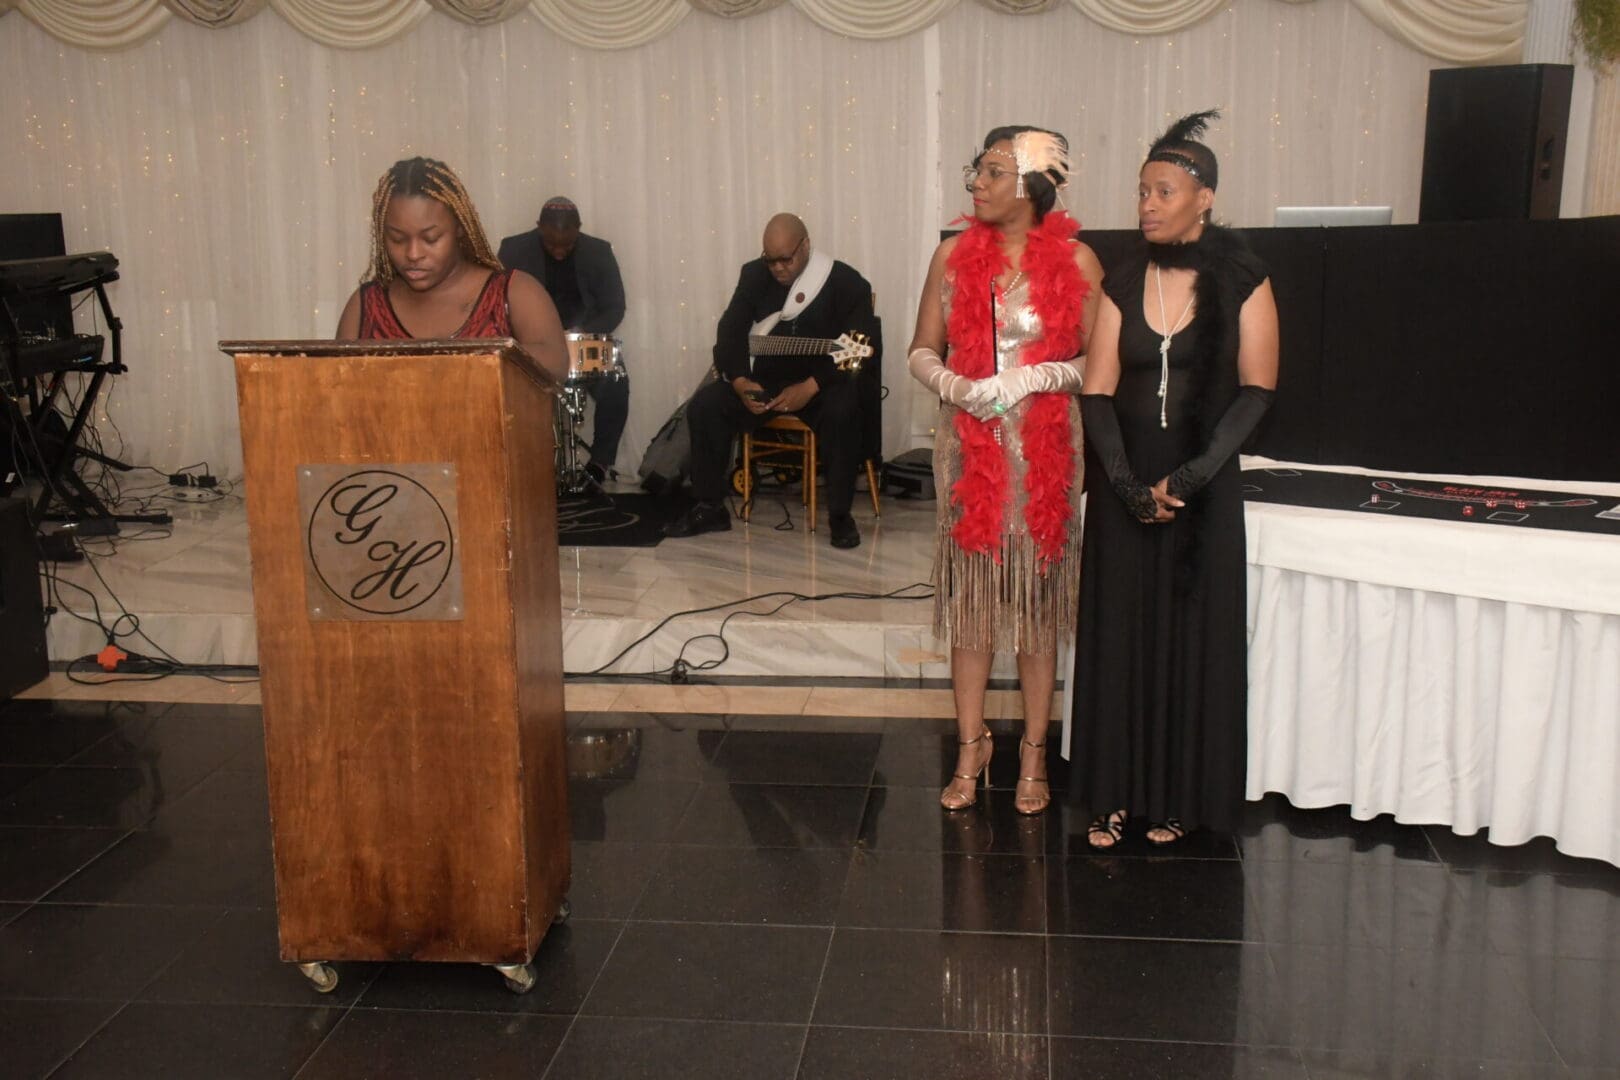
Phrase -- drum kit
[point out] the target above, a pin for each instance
(591, 358)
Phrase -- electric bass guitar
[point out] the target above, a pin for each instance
(847, 350)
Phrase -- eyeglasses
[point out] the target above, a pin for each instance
(782, 260)
(991, 172)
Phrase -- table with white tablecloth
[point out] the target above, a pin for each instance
(1446, 672)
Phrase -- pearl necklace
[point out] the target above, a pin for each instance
(1164, 345)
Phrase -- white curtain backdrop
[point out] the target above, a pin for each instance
(230, 168)
(1320, 107)
(1462, 31)
(1603, 169)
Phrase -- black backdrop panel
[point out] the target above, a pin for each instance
(1469, 347)
(1473, 348)
(1292, 430)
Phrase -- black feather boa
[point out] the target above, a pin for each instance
(1214, 373)
(1212, 378)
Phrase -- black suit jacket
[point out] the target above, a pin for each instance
(601, 290)
(843, 305)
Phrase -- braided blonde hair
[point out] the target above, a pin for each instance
(437, 181)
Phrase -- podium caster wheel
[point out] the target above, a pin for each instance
(738, 479)
(519, 977)
(323, 977)
(564, 910)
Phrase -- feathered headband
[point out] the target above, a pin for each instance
(1040, 152)
(1180, 137)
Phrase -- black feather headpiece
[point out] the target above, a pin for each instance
(1180, 146)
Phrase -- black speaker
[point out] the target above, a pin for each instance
(22, 614)
(1494, 144)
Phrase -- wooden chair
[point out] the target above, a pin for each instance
(772, 440)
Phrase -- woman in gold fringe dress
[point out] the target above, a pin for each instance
(1000, 330)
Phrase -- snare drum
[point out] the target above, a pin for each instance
(592, 356)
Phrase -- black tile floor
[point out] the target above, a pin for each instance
(754, 901)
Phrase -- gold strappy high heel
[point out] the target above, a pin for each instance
(950, 798)
(1020, 801)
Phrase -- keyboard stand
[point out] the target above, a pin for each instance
(57, 455)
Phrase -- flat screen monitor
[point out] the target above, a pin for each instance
(1304, 217)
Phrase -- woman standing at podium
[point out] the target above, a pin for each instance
(1180, 371)
(434, 275)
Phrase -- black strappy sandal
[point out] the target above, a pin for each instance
(1109, 825)
(1170, 825)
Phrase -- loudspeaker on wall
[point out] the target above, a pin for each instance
(1493, 146)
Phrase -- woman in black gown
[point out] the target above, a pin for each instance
(1181, 368)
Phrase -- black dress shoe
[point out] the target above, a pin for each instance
(703, 517)
(844, 532)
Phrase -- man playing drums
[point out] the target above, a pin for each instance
(582, 276)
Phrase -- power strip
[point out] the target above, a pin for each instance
(186, 480)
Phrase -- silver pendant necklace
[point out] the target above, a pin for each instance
(1164, 345)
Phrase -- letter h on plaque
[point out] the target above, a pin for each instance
(381, 541)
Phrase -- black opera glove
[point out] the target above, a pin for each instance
(1236, 425)
(1102, 428)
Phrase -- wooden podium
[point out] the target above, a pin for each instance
(402, 511)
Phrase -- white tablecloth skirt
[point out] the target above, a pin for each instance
(1437, 708)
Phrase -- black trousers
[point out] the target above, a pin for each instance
(612, 397)
(717, 415)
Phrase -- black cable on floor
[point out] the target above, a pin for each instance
(141, 667)
(680, 668)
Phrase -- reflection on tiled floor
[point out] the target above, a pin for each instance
(879, 698)
(756, 897)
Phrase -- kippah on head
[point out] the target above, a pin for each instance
(559, 210)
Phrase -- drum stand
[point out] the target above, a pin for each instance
(572, 479)
(590, 357)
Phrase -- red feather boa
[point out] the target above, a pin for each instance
(1057, 290)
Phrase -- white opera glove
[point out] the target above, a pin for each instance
(979, 404)
(999, 393)
(928, 369)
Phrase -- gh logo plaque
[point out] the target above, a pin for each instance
(381, 542)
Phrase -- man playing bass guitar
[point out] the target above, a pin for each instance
(801, 307)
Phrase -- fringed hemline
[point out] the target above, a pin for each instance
(1016, 605)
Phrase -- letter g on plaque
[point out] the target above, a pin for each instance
(381, 542)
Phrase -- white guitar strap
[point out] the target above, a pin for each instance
(801, 294)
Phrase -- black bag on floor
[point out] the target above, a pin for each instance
(911, 474)
(668, 460)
